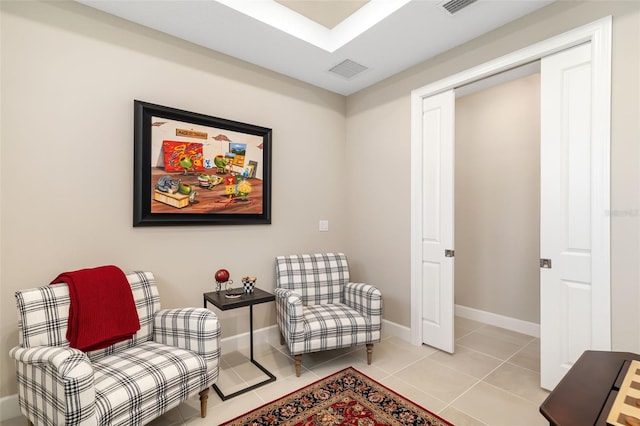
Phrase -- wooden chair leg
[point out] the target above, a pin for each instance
(204, 396)
(298, 359)
(369, 352)
(29, 422)
(281, 339)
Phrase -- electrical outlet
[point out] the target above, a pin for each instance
(323, 226)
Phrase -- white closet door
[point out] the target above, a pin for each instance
(565, 212)
(437, 221)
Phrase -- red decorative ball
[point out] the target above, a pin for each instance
(222, 275)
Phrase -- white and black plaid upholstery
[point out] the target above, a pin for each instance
(318, 308)
(173, 356)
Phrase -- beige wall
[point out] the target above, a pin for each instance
(379, 134)
(69, 78)
(497, 199)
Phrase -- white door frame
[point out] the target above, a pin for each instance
(599, 34)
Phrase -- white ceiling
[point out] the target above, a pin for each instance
(386, 36)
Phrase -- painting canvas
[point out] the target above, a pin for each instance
(191, 168)
(176, 151)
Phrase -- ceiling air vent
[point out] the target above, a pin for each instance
(348, 69)
(453, 6)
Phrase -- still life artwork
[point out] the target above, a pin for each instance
(196, 169)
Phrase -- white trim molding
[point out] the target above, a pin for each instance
(392, 329)
(270, 335)
(9, 408)
(525, 327)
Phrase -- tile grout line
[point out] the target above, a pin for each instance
(482, 380)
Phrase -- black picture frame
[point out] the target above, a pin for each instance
(192, 169)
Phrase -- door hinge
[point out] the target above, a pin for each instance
(545, 263)
(449, 253)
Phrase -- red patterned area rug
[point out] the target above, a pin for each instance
(347, 397)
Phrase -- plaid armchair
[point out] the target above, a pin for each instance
(172, 357)
(319, 309)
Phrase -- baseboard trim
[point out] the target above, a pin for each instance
(9, 404)
(240, 341)
(390, 328)
(271, 335)
(9, 407)
(513, 324)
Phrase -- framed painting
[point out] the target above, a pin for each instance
(194, 169)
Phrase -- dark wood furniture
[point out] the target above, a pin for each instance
(223, 303)
(586, 393)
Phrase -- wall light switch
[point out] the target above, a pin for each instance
(323, 226)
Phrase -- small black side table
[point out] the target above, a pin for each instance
(223, 303)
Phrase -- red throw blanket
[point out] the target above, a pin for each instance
(102, 310)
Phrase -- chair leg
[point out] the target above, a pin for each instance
(298, 359)
(369, 352)
(281, 339)
(29, 422)
(204, 396)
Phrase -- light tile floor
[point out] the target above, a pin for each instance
(492, 379)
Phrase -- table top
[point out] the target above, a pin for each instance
(579, 397)
(221, 302)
